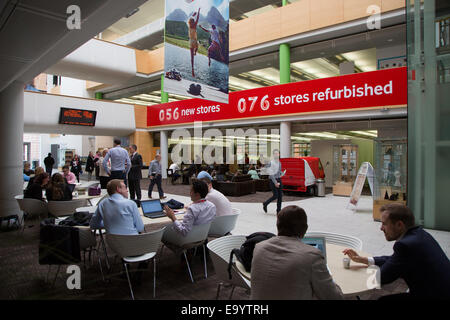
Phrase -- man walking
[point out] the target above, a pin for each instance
(275, 174)
(135, 174)
(120, 162)
(154, 172)
(49, 162)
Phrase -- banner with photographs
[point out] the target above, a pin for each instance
(196, 49)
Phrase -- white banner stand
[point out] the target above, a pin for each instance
(365, 171)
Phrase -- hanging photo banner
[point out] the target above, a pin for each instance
(365, 171)
(196, 49)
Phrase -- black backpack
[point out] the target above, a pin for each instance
(245, 253)
(173, 204)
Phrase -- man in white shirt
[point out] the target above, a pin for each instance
(223, 205)
(201, 211)
(175, 171)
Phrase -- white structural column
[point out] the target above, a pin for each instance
(164, 146)
(11, 131)
(285, 139)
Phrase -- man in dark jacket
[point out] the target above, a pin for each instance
(418, 259)
(49, 162)
(135, 174)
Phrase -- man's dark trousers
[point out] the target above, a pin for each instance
(119, 175)
(277, 194)
(49, 170)
(156, 179)
(135, 188)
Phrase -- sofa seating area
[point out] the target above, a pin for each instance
(240, 186)
(262, 185)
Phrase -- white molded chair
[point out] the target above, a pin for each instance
(197, 237)
(223, 225)
(220, 250)
(34, 209)
(136, 248)
(65, 208)
(18, 218)
(338, 239)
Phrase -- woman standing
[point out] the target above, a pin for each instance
(104, 177)
(90, 165)
(76, 167)
(98, 154)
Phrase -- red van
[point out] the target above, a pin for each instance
(301, 174)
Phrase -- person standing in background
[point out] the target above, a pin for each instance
(49, 162)
(120, 162)
(90, 165)
(76, 167)
(135, 174)
(154, 172)
(98, 154)
(103, 175)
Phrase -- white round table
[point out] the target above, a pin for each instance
(350, 281)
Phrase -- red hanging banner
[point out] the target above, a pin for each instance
(383, 88)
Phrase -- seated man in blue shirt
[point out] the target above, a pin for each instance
(117, 214)
(417, 258)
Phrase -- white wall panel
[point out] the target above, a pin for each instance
(98, 61)
(42, 115)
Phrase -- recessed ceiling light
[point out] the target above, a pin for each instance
(390, 40)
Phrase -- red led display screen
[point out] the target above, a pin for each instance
(77, 117)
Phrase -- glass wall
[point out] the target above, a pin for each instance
(429, 111)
